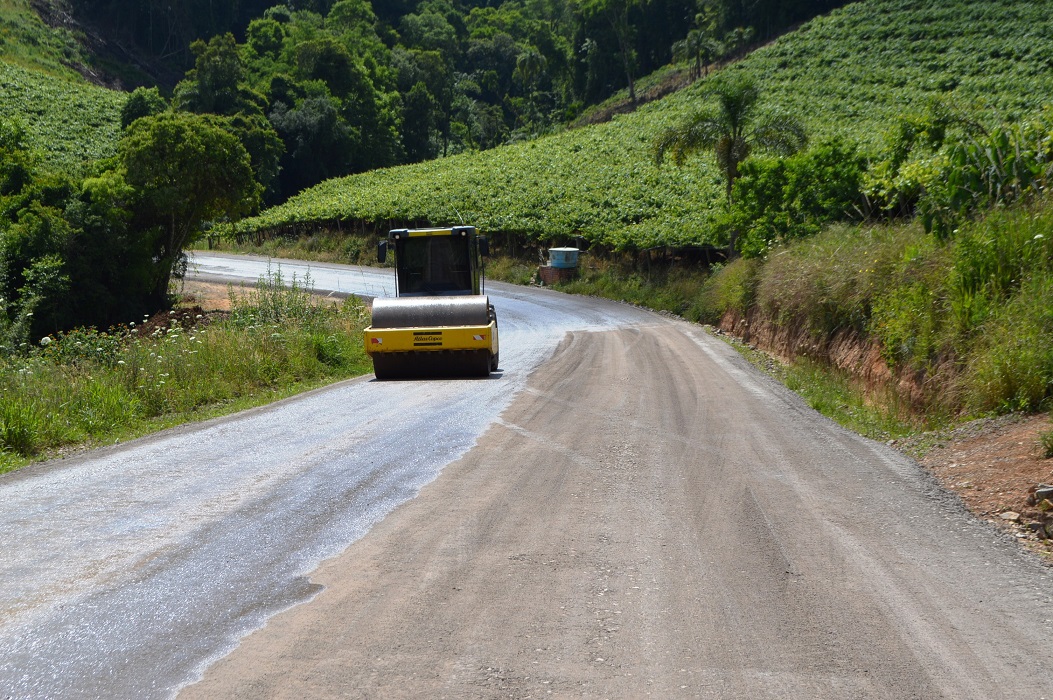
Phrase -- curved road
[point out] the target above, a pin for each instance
(626, 510)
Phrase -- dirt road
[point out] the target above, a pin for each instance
(650, 518)
(625, 509)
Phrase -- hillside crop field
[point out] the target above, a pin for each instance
(67, 120)
(70, 123)
(849, 74)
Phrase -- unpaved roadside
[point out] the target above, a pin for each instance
(652, 518)
(993, 464)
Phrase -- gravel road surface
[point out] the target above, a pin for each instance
(626, 510)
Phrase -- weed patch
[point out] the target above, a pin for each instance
(91, 387)
(1045, 440)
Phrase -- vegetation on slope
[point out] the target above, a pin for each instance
(68, 123)
(849, 75)
(969, 322)
(26, 41)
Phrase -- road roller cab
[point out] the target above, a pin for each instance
(440, 323)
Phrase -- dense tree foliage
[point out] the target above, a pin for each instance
(102, 250)
(352, 85)
(779, 199)
(68, 255)
(186, 169)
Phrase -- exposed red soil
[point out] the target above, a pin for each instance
(994, 465)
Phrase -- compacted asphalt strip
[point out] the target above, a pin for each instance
(626, 509)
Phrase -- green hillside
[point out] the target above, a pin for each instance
(848, 74)
(67, 120)
(27, 41)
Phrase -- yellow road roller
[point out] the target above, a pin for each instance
(440, 323)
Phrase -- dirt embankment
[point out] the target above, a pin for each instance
(994, 465)
(847, 350)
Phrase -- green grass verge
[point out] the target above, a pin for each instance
(319, 246)
(879, 415)
(88, 388)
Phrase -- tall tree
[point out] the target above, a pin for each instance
(187, 169)
(732, 131)
(698, 47)
(214, 84)
(616, 14)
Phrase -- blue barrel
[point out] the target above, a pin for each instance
(563, 258)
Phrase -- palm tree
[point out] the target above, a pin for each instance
(698, 47)
(732, 131)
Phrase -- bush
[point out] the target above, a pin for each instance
(992, 258)
(829, 282)
(776, 200)
(731, 287)
(909, 316)
(1045, 439)
(1003, 166)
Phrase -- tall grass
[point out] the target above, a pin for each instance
(973, 315)
(1010, 366)
(731, 287)
(90, 387)
(879, 414)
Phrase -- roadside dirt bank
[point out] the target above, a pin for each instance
(993, 464)
(211, 296)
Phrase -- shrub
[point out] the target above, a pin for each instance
(992, 257)
(776, 200)
(909, 317)
(980, 172)
(829, 282)
(731, 287)
(1045, 439)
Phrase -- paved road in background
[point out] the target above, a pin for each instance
(625, 509)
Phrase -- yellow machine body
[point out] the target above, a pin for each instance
(439, 324)
(389, 340)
